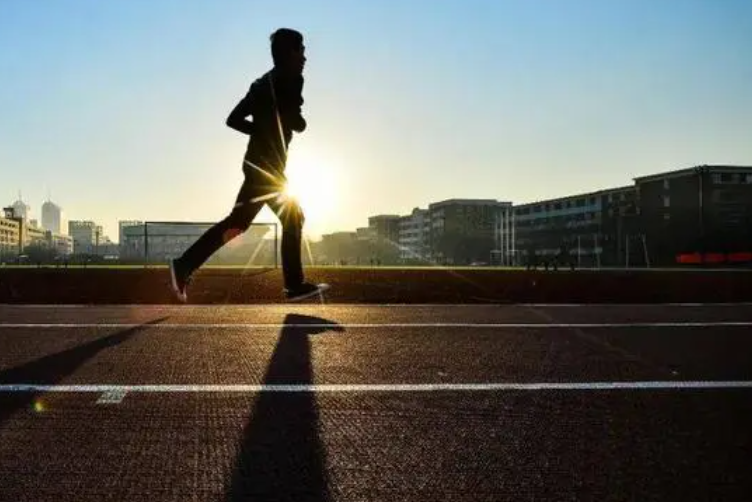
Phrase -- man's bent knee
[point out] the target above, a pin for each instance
(293, 219)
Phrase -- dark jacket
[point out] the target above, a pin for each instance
(276, 113)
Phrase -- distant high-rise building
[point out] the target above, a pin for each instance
(51, 217)
(21, 209)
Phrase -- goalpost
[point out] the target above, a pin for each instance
(160, 241)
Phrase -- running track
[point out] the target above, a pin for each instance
(376, 403)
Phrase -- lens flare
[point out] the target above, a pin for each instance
(314, 184)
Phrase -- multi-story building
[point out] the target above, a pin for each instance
(123, 224)
(61, 244)
(86, 236)
(589, 229)
(384, 247)
(414, 231)
(463, 230)
(364, 234)
(10, 234)
(34, 237)
(505, 247)
(123, 243)
(18, 237)
(385, 226)
(52, 217)
(704, 209)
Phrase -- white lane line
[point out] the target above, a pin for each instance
(633, 305)
(173, 326)
(112, 396)
(117, 390)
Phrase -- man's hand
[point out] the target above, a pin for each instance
(297, 123)
(237, 118)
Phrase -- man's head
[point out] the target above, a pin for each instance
(288, 51)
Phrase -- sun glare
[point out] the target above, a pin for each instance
(313, 183)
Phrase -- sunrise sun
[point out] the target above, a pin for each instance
(314, 184)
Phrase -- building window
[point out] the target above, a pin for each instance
(666, 201)
(726, 178)
(666, 184)
(666, 216)
(748, 179)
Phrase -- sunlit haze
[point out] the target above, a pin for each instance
(117, 108)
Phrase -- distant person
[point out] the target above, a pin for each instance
(274, 102)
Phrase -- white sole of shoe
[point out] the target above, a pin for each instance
(320, 288)
(182, 297)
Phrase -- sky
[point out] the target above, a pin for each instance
(117, 109)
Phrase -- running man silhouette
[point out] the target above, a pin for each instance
(274, 102)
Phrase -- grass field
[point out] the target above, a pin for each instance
(225, 285)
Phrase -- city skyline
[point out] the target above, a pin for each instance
(691, 215)
(115, 236)
(123, 113)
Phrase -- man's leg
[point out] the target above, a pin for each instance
(291, 217)
(218, 235)
(212, 240)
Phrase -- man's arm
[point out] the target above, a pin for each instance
(237, 118)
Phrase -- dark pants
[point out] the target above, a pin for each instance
(257, 189)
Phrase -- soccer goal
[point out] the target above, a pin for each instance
(157, 242)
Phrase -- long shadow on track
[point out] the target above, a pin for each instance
(52, 369)
(281, 456)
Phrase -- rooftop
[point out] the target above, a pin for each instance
(596, 193)
(468, 202)
(692, 170)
